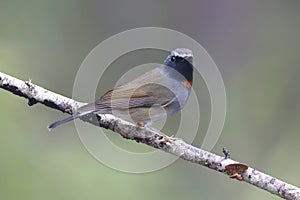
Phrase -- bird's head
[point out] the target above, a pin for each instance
(182, 61)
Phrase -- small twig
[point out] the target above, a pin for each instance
(36, 94)
(226, 152)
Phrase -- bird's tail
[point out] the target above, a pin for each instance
(65, 120)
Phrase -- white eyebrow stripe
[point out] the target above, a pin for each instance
(182, 53)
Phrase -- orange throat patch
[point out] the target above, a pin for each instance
(187, 84)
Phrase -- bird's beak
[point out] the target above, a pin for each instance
(189, 59)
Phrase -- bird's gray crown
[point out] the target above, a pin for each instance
(182, 52)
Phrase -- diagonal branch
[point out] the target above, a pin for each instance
(36, 94)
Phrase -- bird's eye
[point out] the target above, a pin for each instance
(173, 58)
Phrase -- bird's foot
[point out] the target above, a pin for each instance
(140, 124)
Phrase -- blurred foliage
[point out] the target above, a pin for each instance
(254, 43)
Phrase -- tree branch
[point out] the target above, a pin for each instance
(36, 94)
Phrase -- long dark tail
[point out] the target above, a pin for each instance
(65, 120)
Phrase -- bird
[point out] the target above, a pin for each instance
(149, 98)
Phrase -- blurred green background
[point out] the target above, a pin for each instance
(255, 44)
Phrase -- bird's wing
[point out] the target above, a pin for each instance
(146, 95)
(125, 97)
(145, 91)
